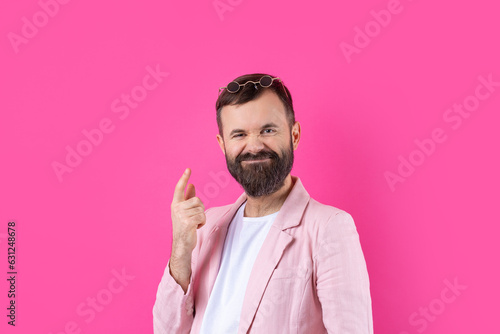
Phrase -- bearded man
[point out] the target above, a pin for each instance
(276, 260)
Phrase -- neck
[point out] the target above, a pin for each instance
(266, 205)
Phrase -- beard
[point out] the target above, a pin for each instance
(261, 178)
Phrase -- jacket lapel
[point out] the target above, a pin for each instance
(211, 250)
(271, 251)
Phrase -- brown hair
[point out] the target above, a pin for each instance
(249, 93)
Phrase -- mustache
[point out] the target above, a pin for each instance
(259, 156)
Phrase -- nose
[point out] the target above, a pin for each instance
(254, 144)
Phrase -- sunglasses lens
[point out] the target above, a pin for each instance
(266, 81)
(233, 87)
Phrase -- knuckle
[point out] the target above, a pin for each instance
(198, 200)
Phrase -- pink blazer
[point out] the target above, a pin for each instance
(310, 275)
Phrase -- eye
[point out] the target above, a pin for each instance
(237, 135)
(270, 130)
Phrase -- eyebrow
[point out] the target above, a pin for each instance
(267, 125)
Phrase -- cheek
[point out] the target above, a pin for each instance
(235, 148)
(232, 152)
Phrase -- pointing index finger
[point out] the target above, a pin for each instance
(181, 186)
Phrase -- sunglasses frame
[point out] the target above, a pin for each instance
(255, 83)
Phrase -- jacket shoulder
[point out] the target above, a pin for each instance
(316, 209)
(319, 218)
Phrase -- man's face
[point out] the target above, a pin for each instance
(258, 144)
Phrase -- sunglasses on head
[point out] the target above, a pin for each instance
(265, 81)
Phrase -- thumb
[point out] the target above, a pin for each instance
(190, 192)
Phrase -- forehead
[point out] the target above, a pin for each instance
(267, 108)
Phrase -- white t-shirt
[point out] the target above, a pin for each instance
(244, 239)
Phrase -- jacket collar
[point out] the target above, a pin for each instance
(287, 217)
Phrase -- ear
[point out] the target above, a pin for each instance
(296, 135)
(221, 144)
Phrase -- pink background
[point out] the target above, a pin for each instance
(360, 114)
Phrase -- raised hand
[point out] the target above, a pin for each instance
(188, 215)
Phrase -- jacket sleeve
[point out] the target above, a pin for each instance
(342, 283)
(173, 310)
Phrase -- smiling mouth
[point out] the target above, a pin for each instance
(252, 161)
